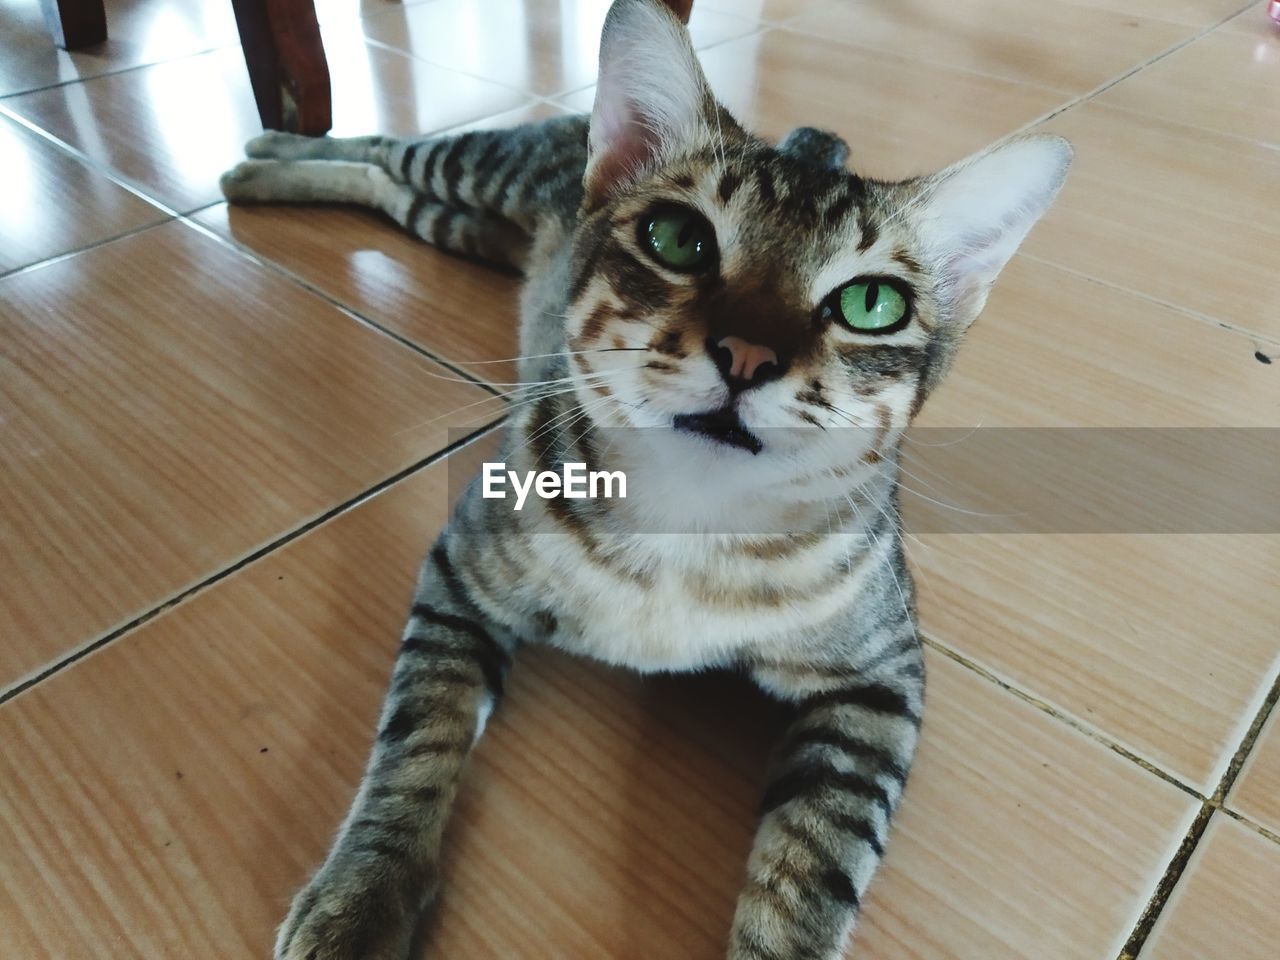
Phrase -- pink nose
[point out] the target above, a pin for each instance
(746, 358)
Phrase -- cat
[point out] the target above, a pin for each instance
(753, 327)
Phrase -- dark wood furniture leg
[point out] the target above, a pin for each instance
(75, 23)
(682, 8)
(287, 65)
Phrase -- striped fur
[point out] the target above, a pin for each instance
(787, 563)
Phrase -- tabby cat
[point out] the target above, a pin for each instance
(769, 320)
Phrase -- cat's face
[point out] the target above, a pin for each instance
(765, 299)
(796, 302)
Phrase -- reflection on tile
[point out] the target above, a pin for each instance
(901, 118)
(457, 309)
(543, 46)
(139, 31)
(772, 11)
(1225, 904)
(1062, 45)
(217, 747)
(1113, 628)
(173, 129)
(463, 311)
(1257, 790)
(53, 203)
(170, 129)
(379, 91)
(169, 407)
(336, 11)
(1192, 232)
(1053, 349)
(1228, 81)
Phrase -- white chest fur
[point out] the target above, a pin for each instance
(682, 602)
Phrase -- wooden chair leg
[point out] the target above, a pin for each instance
(287, 66)
(682, 8)
(75, 23)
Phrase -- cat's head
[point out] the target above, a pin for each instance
(774, 295)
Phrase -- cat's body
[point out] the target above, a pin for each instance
(677, 325)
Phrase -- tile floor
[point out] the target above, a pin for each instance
(225, 437)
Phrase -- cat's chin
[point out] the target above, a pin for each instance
(724, 427)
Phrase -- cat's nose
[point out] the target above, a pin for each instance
(743, 363)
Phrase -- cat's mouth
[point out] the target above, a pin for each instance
(723, 426)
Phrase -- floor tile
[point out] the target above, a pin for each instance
(1225, 903)
(546, 47)
(1196, 13)
(457, 309)
(1067, 46)
(138, 32)
(604, 815)
(463, 311)
(1247, 19)
(169, 408)
(901, 117)
(173, 129)
(972, 875)
(1164, 643)
(1227, 81)
(53, 203)
(1054, 349)
(1257, 790)
(1195, 233)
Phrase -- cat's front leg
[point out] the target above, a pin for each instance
(837, 778)
(364, 902)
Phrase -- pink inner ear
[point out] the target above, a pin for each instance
(621, 143)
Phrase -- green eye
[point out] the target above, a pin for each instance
(679, 238)
(872, 305)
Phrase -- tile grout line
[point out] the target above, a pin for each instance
(1253, 825)
(76, 251)
(1273, 147)
(1168, 882)
(1215, 803)
(551, 98)
(117, 72)
(408, 55)
(790, 25)
(266, 263)
(1120, 78)
(1253, 335)
(282, 540)
(88, 161)
(1063, 716)
(1190, 843)
(253, 256)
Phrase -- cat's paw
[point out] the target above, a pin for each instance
(248, 181)
(351, 920)
(277, 145)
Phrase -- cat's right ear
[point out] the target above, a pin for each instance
(652, 99)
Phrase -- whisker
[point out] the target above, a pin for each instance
(954, 508)
(524, 398)
(949, 443)
(545, 356)
(906, 608)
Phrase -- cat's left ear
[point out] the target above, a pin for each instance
(973, 216)
(652, 99)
